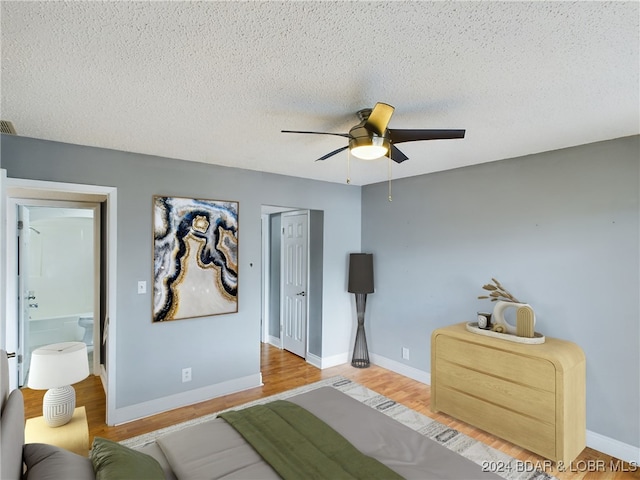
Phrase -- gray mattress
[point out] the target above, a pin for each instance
(215, 450)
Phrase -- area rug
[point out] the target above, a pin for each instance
(478, 452)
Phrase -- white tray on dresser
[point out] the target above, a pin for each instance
(535, 340)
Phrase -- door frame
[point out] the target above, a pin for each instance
(44, 190)
(266, 284)
(267, 266)
(266, 211)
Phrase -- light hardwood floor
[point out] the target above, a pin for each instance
(282, 371)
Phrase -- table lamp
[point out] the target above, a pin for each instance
(360, 283)
(54, 368)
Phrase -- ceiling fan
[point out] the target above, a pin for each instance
(371, 138)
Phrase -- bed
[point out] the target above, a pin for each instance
(216, 449)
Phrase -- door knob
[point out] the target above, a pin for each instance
(302, 293)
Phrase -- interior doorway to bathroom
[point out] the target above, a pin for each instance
(58, 276)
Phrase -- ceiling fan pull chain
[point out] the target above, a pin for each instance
(389, 176)
(348, 166)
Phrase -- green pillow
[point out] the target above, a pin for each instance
(112, 461)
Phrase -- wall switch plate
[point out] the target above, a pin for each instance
(142, 287)
(186, 375)
(405, 353)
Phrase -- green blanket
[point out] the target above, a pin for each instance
(298, 445)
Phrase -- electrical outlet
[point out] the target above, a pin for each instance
(405, 353)
(186, 375)
(142, 287)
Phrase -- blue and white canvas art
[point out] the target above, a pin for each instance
(195, 258)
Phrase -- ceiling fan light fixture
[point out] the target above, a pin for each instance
(371, 138)
(368, 147)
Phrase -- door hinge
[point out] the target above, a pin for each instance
(18, 357)
(20, 224)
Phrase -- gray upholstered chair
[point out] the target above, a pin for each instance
(11, 425)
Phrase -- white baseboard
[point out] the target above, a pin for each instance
(190, 397)
(275, 341)
(103, 378)
(401, 368)
(314, 360)
(610, 446)
(615, 448)
(333, 361)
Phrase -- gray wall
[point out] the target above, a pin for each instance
(560, 230)
(314, 295)
(149, 357)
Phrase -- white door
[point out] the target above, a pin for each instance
(293, 311)
(26, 299)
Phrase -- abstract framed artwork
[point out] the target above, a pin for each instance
(195, 258)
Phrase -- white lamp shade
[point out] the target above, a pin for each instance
(58, 365)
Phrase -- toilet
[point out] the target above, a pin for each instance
(87, 324)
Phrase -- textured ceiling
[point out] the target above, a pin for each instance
(215, 82)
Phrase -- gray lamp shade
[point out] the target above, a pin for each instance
(361, 273)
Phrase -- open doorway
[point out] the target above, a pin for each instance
(282, 301)
(58, 277)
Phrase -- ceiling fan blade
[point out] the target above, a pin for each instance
(379, 118)
(399, 136)
(331, 154)
(397, 156)
(346, 135)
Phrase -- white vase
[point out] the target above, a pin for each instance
(499, 311)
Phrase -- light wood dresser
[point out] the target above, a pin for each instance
(530, 395)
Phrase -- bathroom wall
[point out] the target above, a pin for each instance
(60, 269)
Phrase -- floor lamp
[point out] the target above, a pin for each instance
(360, 283)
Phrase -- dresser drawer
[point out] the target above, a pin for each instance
(533, 402)
(534, 372)
(532, 434)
